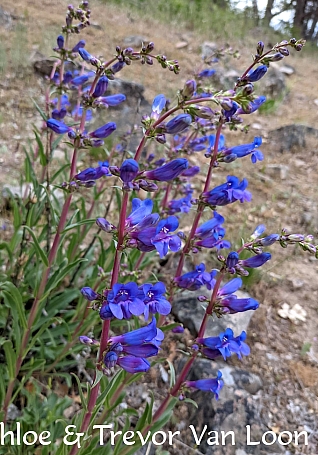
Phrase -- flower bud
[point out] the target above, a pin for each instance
(85, 54)
(269, 240)
(274, 57)
(202, 111)
(178, 329)
(284, 51)
(78, 46)
(168, 171)
(232, 260)
(89, 294)
(80, 80)
(189, 89)
(178, 124)
(128, 170)
(260, 48)
(60, 41)
(104, 131)
(104, 225)
(105, 312)
(257, 74)
(101, 87)
(57, 126)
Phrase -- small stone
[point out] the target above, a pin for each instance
(181, 44)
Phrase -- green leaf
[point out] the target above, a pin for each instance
(37, 247)
(99, 376)
(42, 113)
(79, 223)
(80, 389)
(13, 298)
(10, 357)
(188, 400)
(43, 159)
(5, 246)
(172, 374)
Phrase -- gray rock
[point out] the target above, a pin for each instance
(294, 138)
(188, 310)
(208, 48)
(273, 84)
(237, 407)
(5, 19)
(135, 40)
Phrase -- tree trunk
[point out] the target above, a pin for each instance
(268, 12)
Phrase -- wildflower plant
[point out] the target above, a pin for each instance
(76, 276)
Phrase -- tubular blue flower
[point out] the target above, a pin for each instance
(208, 228)
(231, 304)
(155, 302)
(92, 173)
(206, 73)
(140, 210)
(191, 171)
(253, 106)
(104, 225)
(158, 105)
(211, 140)
(80, 80)
(189, 89)
(213, 385)
(256, 261)
(246, 149)
(104, 131)
(178, 124)
(60, 41)
(129, 170)
(101, 87)
(182, 205)
(89, 294)
(257, 74)
(124, 302)
(168, 171)
(259, 230)
(136, 337)
(133, 364)
(57, 126)
(111, 100)
(162, 240)
(225, 344)
(78, 46)
(118, 66)
(231, 191)
(59, 114)
(269, 240)
(197, 278)
(232, 260)
(85, 54)
(105, 312)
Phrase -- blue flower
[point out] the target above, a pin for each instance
(101, 87)
(246, 149)
(162, 240)
(128, 170)
(155, 302)
(92, 173)
(89, 294)
(60, 42)
(80, 80)
(140, 210)
(197, 278)
(124, 302)
(57, 126)
(225, 344)
(252, 106)
(231, 191)
(256, 261)
(213, 385)
(78, 46)
(85, 54)
(104, 131)
(131, 349)
(257, 74)
(182, 205)
(206, 73)
(59, 114)
(178, 124)
(158, 105)
(111, 100)
(168, 171)
(269, 240)
(232, 260)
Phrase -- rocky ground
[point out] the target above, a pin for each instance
(275, 388)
